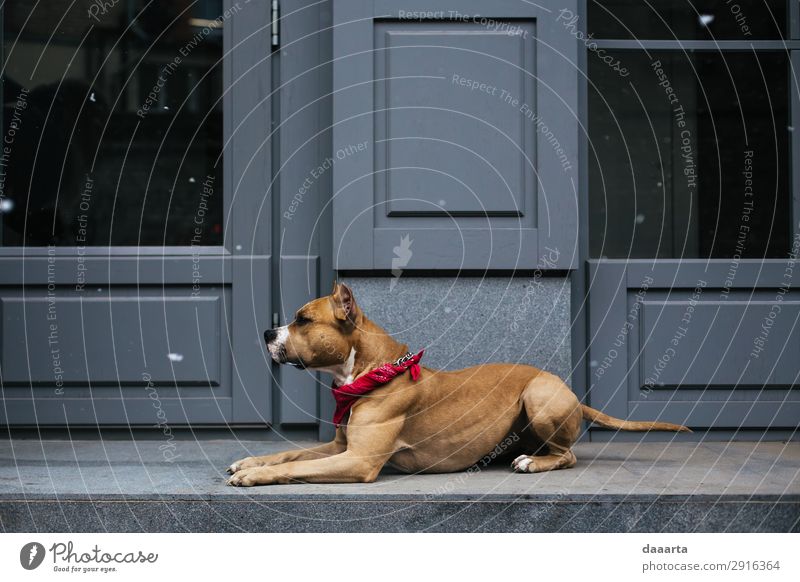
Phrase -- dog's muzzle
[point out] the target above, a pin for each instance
(277, 349)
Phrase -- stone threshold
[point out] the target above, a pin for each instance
(137, 486)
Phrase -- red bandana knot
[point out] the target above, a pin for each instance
(347, 394)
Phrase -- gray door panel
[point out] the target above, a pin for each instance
(248, 167)
(303, 186)
(97, 339)
(138, 405)
(736, 325)
(298, 390)
(160, 334)
(249, 316)
(417, 120)
(454, 136)
(687, 342)
(115, 351)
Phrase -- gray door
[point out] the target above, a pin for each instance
(680, 341)
(302, 204)
(693, 233)
(455, 135)
(135, 259)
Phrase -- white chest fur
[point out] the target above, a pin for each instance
(343, 373)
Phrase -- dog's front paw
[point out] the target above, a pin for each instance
(523, 464)
(242, 478)
(237, 480)
(247, 463)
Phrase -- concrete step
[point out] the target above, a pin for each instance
(157, 486)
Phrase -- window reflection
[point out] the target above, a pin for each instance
(688, 19)
(112, 123)
(689, 155)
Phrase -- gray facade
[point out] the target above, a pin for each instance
(454, 163)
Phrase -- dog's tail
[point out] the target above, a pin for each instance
(610, 422)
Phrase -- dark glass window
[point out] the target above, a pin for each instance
(112, 123)
(688, 19)
(689, 155)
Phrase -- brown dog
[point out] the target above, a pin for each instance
(442, 422)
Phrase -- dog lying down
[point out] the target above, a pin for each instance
(414, 418)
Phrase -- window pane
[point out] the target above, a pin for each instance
(113, 123)
(688, 19)
(689, 155)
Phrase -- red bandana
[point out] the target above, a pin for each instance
(347, 395)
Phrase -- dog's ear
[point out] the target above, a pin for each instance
(344, 303)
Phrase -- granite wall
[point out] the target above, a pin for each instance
(463, 321)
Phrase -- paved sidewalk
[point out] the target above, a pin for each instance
(133, 486)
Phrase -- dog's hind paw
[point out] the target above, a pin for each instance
(523, 464)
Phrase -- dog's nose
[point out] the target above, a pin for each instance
(270, 335)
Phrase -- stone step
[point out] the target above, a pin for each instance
(138, 486)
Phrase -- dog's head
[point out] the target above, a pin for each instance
(322, 333)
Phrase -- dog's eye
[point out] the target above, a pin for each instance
(301, 320)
